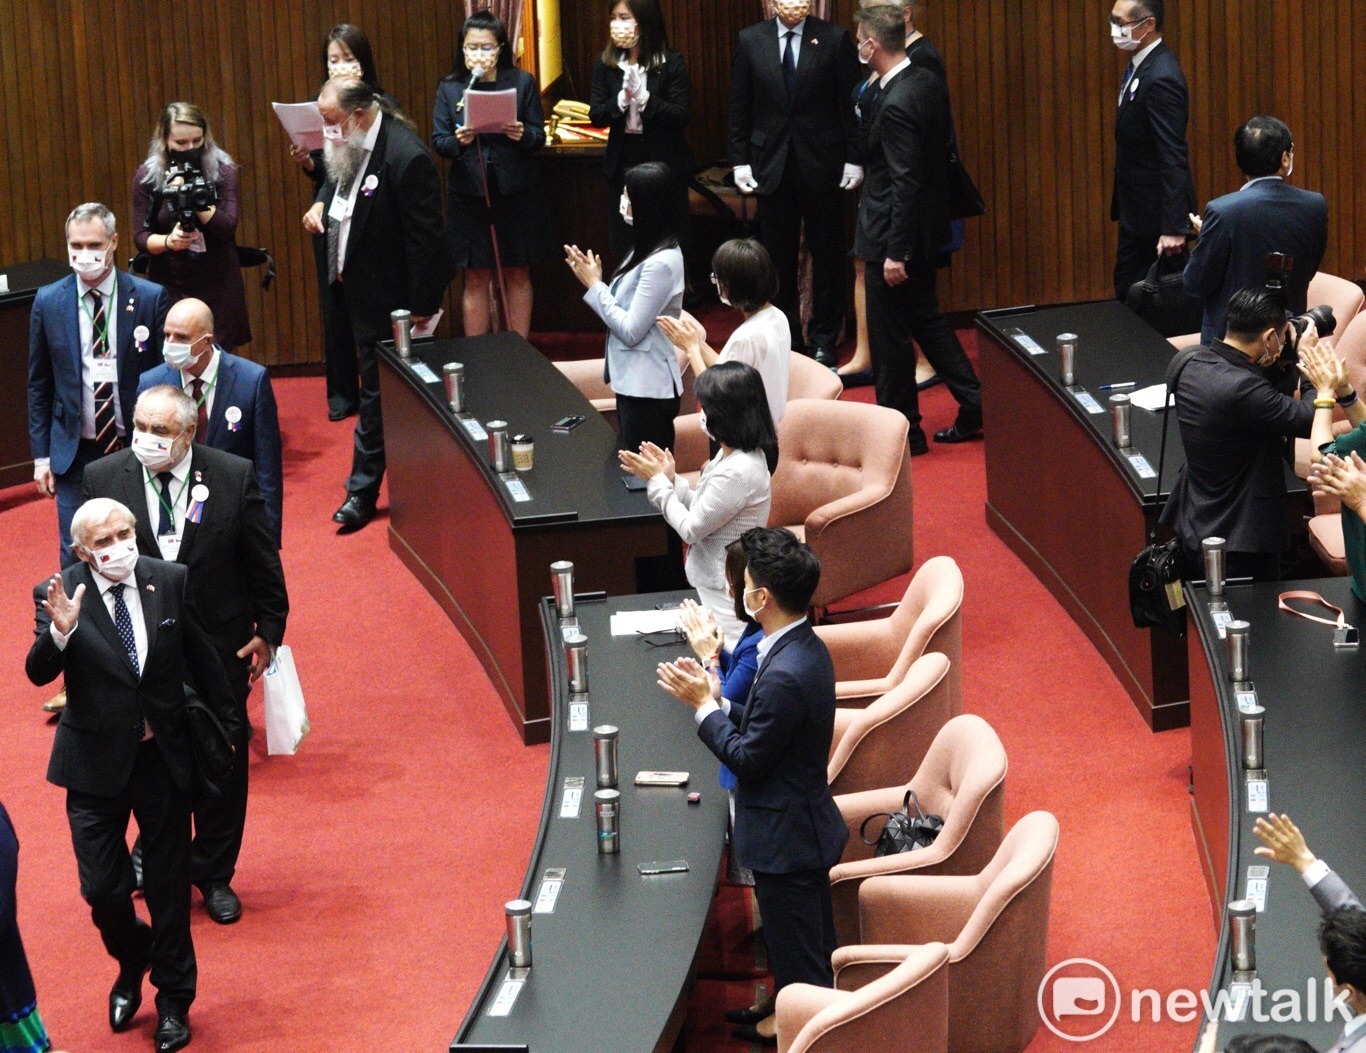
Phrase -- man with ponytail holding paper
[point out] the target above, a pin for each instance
(205, 512)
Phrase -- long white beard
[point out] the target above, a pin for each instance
(343, 160)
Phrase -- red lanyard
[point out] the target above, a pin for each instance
(1345, 635)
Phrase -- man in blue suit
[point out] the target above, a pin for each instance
(236, 403)
(91, 335)
(788, 829)
(1267, 215)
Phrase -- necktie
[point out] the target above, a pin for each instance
(334, 237)
(789, 62)
(106, 428)
(201, 429)
(124, 624)
(1129, 71)
(167, 509)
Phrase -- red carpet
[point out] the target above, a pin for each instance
(377, 860)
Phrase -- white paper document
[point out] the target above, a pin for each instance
(488, 111)
(303, 122)
(1150, 398)
(633, 623)
(428, 327)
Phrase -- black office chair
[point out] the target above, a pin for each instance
(246, 257)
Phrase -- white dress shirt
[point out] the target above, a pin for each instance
(131, 600)
(764, 341)
(797, 31)
(762, 648)
(169, 544)
(86, 320)
(344, 230)
(210, 379)
(887, 77)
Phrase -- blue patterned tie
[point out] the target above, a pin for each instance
(1129, 72)
(124, 624)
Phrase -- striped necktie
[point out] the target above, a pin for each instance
(106, 428)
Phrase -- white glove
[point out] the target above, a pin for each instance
(744, 179)
(642, 97)
(623, 100)
(852, 178)
(634, 80)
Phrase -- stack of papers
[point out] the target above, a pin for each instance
(634, 623)
(1150, 398)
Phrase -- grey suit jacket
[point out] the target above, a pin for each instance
(1332, 893)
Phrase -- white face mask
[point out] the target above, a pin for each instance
(88, 263)
(702, 419)
(863, 59)
(344, 69)
(624, 207)
(116, 562)
(1123, 37)
(155, 452)
(333, 132)
(745, 600)
(180, 356)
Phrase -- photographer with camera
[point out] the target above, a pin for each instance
(1234, 419)
(185, 219)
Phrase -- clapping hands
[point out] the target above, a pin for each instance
(699, 625)
(686, 681)
(649, 462)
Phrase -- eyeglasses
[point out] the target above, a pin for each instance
(1120, 23)
(482, 49)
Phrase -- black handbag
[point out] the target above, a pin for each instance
(210, 742)
(1161, 300)
(903, 832)
(965, 200)
(1155, 597)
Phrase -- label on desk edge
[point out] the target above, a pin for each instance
(1141, 466)
(421, 369)
(572, 797)
(578, 716)
(515, 487)
(549, 893)
(1087, 403)
(1256, 891)
(1258, 796)
(569, 628)
(1238, 997)
(1222, 620)
(1026, 341)
(507, 997)
(1246, 700)
(473, 427)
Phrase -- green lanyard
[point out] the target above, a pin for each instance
(207, 388)
(102, 335)
(170, 509)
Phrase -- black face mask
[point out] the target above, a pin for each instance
(193, 158)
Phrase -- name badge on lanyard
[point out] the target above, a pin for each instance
(341, 207)
(104, 369)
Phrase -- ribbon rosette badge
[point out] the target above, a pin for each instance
(368, 187)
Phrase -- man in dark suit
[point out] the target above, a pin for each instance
(122, 631)
(236, 403)
(380, 207)
(788, 829)
(903, 226)
(205, 513)
(1267, 215)
(1153, 193)
(795, 144)
(91, 335)
(1233, 423)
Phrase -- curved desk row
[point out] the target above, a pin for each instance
(1315, 724)
(613, 962)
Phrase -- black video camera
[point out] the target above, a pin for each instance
(194, 194)
(1278, 268)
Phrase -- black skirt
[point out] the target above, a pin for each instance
(524, 229)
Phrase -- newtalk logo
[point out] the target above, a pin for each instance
(1080, 1000)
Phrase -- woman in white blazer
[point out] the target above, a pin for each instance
(641, 365)
(733, 493)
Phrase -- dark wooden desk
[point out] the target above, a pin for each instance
(613, 964)
(484, 556)
(1073, 507)
(1315, 724)
(25, 279)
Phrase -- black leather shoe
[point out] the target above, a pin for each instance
(354, 513)
(860, 378)
(341, 412)
(916, 441)
(925, 385)
(172, 1033)
(958, 433)
(750, 1033)
(826, 356)
(747, 1015)
(221, 902)
(137, 863)
(125, 997)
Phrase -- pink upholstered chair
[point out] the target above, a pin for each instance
(586, 375)
(962, 780)
(843, 485)
(996, 926)
(808, 379)
(872, 657)
(1343, 296)
(905, 1010)
(876, 745)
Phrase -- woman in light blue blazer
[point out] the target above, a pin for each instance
(641, 365)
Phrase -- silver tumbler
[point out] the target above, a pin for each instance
(562, 583)
(518, 913)
(1119, 420)
(605, 739)
(1254, 738)
(607, 808)
(403, 332)
(576, 658)
(500, 449)
(1214, 566)
(1067, 356)
(455, 385)
(1239, 640)
(1242, 923)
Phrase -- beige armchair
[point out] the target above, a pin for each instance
(962, 780)
(876, 745)
(996, 926)
(906, 1010)
(586, 375)
(872, 657)
(1343, 296)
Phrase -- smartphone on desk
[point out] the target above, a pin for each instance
(567, 424)
(634, 482)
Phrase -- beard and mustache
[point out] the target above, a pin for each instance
(343, 159)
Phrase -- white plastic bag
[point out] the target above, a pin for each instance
(286, 717)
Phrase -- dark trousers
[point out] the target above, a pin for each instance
(910, 311)
(1136, 254)
(16, 982)
(645, 420)
(219, 821)
(799, 926)
(68, 487)
(367, 461)
(781, 215)
(99, 832)
(339, 345)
